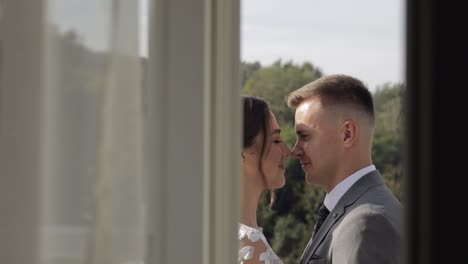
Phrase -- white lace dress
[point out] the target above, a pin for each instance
(248, 252)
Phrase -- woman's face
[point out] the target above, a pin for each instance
(275, 156)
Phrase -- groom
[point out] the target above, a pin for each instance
(360, 219)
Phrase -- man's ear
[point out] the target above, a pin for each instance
(243, 157)
(350, 132)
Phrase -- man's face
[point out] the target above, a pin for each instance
(317, 143)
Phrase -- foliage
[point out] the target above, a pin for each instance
(387, 148)
(247, 69)
(276, 81)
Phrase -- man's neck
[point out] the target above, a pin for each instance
(345, 171)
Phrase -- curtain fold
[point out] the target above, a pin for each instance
(92, 187)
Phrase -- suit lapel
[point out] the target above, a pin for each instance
(360, 187)
(323, 231)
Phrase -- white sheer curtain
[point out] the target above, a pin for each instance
(92, 196)
(110, 157)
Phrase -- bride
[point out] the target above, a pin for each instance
(262, 166)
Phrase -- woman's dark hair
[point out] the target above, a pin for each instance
(257, 120)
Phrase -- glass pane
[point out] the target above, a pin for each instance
(286, 44)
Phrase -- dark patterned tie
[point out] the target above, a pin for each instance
(321, 214)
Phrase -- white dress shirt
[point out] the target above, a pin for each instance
(332, 198)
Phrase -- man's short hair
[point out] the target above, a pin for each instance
(338, 89)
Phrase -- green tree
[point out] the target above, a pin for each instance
(387, 148)
(276, 81)
(247, 69)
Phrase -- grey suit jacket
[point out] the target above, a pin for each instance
(364, 227)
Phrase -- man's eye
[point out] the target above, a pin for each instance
(276, 141)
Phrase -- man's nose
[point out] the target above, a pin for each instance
(296, 151)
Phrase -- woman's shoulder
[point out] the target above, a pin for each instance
(251, 233)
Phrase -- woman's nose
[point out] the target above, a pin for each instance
(287, 150)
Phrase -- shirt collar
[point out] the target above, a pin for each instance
(332, 198)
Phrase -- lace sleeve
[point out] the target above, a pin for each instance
(254, 248)
(251, 246)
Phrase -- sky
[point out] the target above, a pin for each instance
(362, 38)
